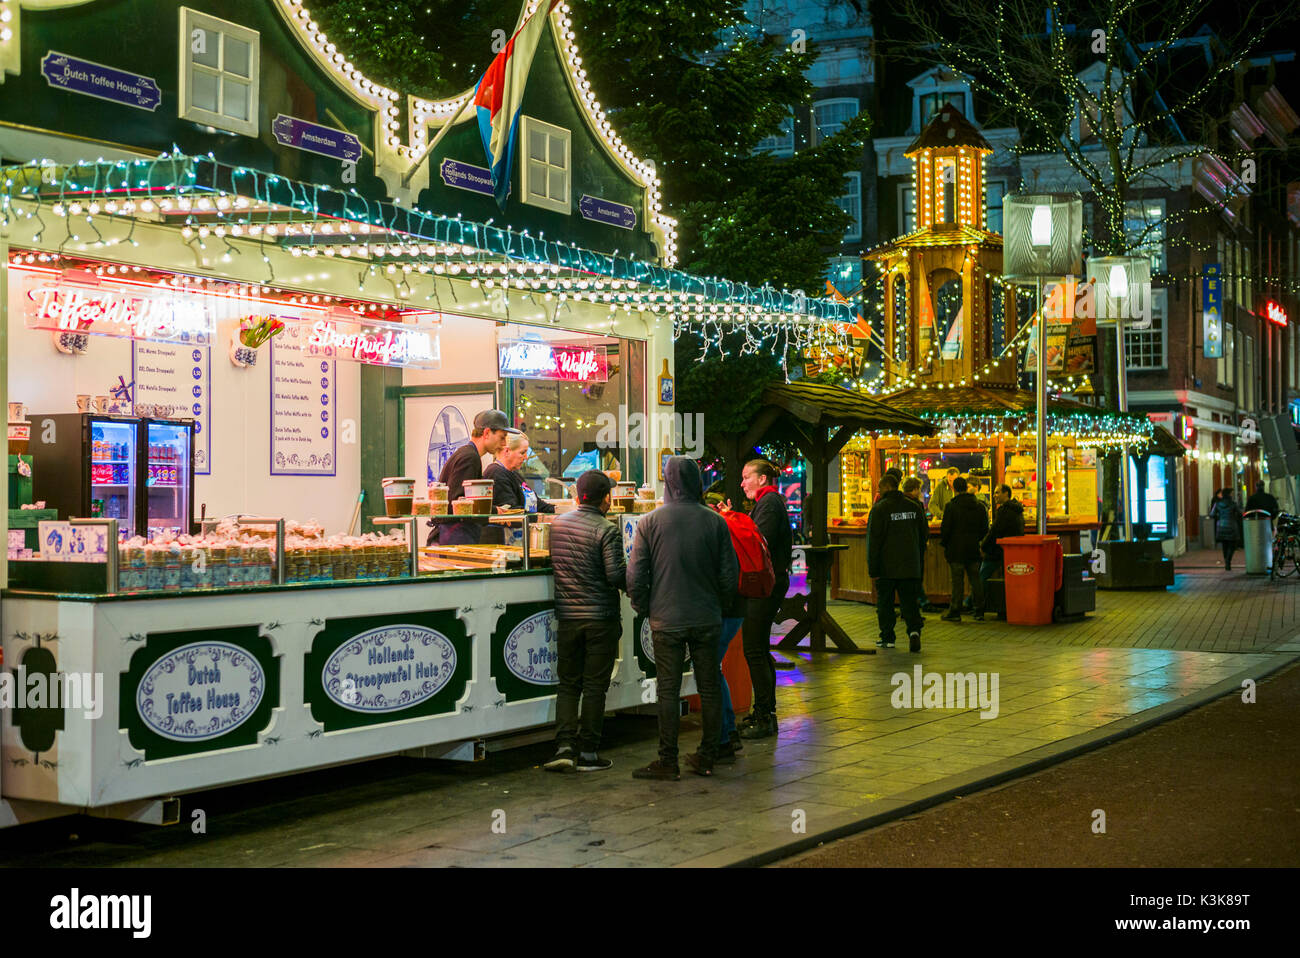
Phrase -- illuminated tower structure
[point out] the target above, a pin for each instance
(946, 320)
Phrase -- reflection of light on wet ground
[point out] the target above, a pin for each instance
(792, 669)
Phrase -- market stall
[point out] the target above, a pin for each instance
(233, 374)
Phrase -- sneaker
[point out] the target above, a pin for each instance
(726, 755)
(952, 617)
(658, 771)
(596, 764)
(884, 643)
(563, 761)
(978, 616)
(747, 722)
(764, 728)
(698, 764)
(914, 642)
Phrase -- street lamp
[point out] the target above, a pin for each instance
(1122, 294)
(1042, 239)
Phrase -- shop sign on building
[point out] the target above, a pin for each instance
(530, 649)
(343, 334)
(1275, 313)
(388, 669)
(1212, 310)
(104, 83)
(75, 301)
(200, 691)
(524, 359)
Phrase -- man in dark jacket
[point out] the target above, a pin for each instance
(587, 563)
(1008, 520)
(683, 572)
(965, 523)
(491, 429)
(770, 514)
(894, 548)
(1261, 499)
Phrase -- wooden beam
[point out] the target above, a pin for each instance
(762, 423)
(838, 440)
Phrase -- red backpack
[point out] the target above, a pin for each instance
(757, 577)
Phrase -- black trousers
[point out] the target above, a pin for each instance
(587, 649)
(756, 635)
(670, 655)
(971, 571)
(1229, 547)
(909, 592)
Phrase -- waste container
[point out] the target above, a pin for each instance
(1257, 531)
(1032, 568)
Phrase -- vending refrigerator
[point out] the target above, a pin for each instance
(137, 471)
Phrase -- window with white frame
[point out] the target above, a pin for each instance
(851, 202)
(830, 116)
(1145, 348)
(218, 73)
(906, 209)
(1225, 362)
(782, 143)
(932, 103)
(1144, 228)
(546, 166)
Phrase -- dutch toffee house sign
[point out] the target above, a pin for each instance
(187, 692)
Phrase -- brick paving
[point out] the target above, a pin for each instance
(844, 755)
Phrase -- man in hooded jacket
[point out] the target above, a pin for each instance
(682, 573)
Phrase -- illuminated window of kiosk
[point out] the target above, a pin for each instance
(343, 334)
(78, 301)
(1275, 313)
(527, 359)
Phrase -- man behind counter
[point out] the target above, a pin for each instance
(491, 427)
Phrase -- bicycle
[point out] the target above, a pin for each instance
(1286, 547)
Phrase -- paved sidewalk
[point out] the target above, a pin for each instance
(845, 754)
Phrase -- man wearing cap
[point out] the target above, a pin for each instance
(491, 427)
(587, 561)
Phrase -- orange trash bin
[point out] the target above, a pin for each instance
(1032, 568)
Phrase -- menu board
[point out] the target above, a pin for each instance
(304, 439)
(174, 381)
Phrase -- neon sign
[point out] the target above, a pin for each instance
(345, 335)
(535, 360)
(79, 302)
(1275, 313)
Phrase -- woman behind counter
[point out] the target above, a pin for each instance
(508, 490)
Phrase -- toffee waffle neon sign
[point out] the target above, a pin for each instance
(535, 360)
(80, 303)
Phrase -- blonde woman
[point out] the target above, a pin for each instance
(508, 489)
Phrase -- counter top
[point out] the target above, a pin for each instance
(259, 590)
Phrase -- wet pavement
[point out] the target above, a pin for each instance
(851, 752)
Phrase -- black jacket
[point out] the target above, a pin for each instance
(1008, 521)
(1263, 500)
(895, 542)
(965, 523)
(587, 561)
(683, 571)
(465, 463)
(772, 517)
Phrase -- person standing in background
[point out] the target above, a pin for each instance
(509, 491)
(772, 517)
(965, 523)
(1227, 525)
(1008, 520)
(941, 496)
(894, 549)
(491, 429)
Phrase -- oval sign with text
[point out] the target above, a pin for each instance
(1020, 568)
(200, 691)
(530, 649)
(387, 669)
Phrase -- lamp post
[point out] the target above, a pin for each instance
(1043, 239)
(1122, 294)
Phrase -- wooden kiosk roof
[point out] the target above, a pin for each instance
(820, 405)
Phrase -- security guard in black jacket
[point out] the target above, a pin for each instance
(895, 545)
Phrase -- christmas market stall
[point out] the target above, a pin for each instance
(236, 352)
(950, 344)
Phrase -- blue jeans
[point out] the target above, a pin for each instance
(729, 629)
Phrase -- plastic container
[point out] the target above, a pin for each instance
(399, 492)
(1032, 567)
